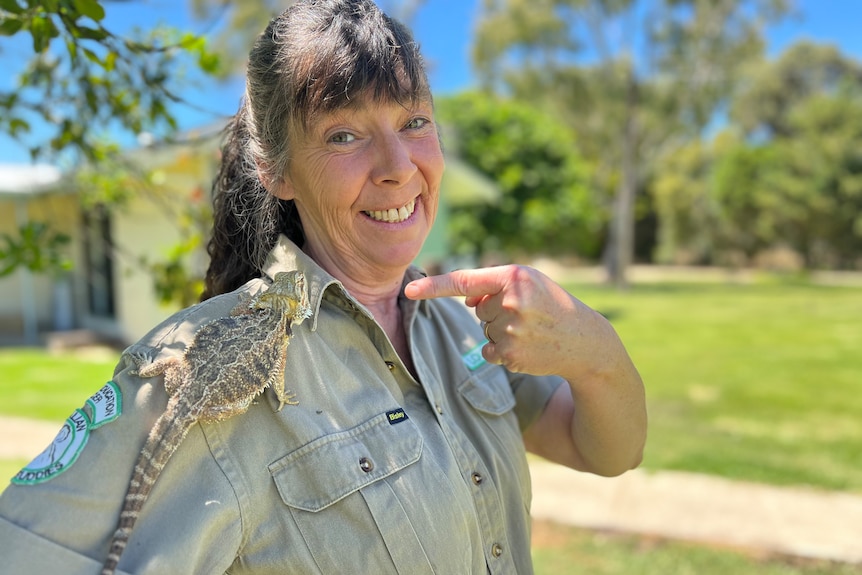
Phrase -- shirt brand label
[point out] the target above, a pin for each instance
(473, 359)
(396, 416)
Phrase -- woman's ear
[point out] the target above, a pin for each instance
(281, 187)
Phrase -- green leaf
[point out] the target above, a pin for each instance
(17, 125)
(90, 8)
(97, 34)
(110, 61)
(10, 26)
(91, 56)
(40, 30)
(209, 62)
(11, 6)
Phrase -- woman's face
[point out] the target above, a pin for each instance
(365, 181)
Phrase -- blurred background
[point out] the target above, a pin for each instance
(690, 168)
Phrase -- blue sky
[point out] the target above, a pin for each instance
(444, 30)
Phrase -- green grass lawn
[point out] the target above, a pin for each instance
(42, 385)
(558, 549)
(760, 382)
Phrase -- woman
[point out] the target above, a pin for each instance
(406, 450)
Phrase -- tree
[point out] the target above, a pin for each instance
(545, 204)
(634, 78)
(787, 172)
(771, 90)
(83, 75)
(802, 191)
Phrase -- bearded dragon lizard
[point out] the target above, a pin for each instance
(229, 362)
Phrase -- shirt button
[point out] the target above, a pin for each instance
(366, 464)
(439, 409)
(477, 478)
(390, 365)
(496, 550)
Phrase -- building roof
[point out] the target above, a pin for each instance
(19, 180)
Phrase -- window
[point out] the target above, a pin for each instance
(98, 254)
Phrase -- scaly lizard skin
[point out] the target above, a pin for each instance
(230, 361)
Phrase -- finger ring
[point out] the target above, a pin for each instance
(487, 335)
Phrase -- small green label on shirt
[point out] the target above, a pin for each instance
(473, 359)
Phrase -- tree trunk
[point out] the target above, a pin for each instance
(621, 247)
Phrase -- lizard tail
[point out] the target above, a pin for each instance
(167, 433)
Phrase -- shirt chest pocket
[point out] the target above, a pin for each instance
(332, 467)
(488, 391)
(339, 491)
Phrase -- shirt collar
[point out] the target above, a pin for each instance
(287, 256)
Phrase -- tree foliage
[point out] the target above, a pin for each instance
(37, 249)
(786, 174)
(545, 204)
(633, 78)
(83, 79)
(81, 87)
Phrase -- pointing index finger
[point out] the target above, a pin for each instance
(468, 283)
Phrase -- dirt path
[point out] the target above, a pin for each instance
(793, 521)
(25, 438)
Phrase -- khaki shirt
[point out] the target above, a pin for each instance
(372, 472)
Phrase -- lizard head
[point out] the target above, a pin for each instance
(288, 293)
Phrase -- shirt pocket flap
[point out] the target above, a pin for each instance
(332, 467)
(488, 391)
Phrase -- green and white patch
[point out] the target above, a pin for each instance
(104, 406)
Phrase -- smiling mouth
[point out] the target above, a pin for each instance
(393, 216)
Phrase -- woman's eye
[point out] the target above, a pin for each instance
(417, 123)
(342, 138)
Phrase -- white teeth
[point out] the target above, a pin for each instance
(392, 215)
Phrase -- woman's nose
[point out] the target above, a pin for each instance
(394, 164)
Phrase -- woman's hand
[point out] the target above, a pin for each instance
(597, 423)
(533, 325)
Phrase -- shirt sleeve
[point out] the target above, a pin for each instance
(27, 553)
(62, 522)
(532, 394)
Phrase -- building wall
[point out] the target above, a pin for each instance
(23, 292)
(147, 228)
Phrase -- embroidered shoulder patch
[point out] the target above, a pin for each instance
(105, 406)
(61, 454)
(473, 359)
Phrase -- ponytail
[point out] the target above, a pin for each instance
(247, 219)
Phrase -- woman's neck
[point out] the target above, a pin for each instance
(378, 291)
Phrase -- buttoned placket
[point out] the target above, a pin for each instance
(487, 503)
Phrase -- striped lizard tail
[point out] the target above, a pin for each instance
(164, 438)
